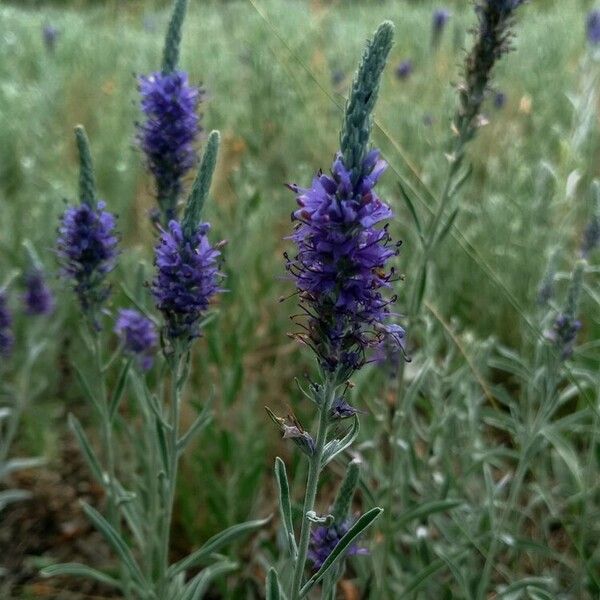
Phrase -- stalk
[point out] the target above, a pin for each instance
(171, 479)
(312, 482)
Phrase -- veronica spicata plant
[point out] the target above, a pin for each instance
(171, 125)
(341, 274)
(492, 40)
(141, 495)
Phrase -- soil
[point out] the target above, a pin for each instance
(49, 528)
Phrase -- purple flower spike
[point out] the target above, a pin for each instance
(404, 69)
(563, 334)
(187, 278)
(138, 336)
(169, 132)
(87, 250)
(439, 20)
(499, 100)
(38, 298)
(50, 35)
(323, 541)
(593, 27)
(6, 335)
(340, 268)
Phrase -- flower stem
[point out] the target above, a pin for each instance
(314, 468)
(171, 478)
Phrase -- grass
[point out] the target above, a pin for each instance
(267, 67)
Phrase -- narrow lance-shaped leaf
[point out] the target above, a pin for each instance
(87, 180)
(285, 507)
(119, 389)
(86, 449)
(116, 542)
(273, 587)
(173, 38)
(200, 584)
(343, 501)
(336, 446)
(340, 550)
(199, 193)
(214, 543)
(79, 570)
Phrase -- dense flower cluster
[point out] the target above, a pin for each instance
(38, 298)
(187, 277)
(323, 541)
(87, 249)
(171, 127)
(493, 40)
(6, 335)
(404, 69)
(563, 334)
(340, 267)
(138, 336)
(593, 27)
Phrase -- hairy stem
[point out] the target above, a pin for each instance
(314, 468)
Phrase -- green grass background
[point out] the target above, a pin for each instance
(267, 67)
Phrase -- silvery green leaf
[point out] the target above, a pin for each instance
(117, 543)
(411, 208)
(335, 446)
(425, 509)
(339, 551)
(199, 584)
(119, 390)
(285, 507)
(201, 421)
(214, 543)
(83, 382)
(9, 496)
(343, 500)
(274, 591)
(18, 464)
(86, 449)
(79, 570)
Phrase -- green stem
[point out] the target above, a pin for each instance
(106, 427)
(414, 309)
(314, 468)
(171, 479)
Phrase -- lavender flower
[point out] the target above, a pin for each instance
(138, 336)
(323, 541)
(87, 250)
(50, 35)
(566, 325)
(404, 69)
(6, 335)
(499, 100)
(337, 77)
(38, 298)
(187, 277)
(563, 334)
(340, 266)
(169, 132)
(493, 40)
(593, 27)
(591, 236)
(438, 24)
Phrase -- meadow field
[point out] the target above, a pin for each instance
(483, 450)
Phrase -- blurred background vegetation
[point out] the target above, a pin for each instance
(276, 74)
